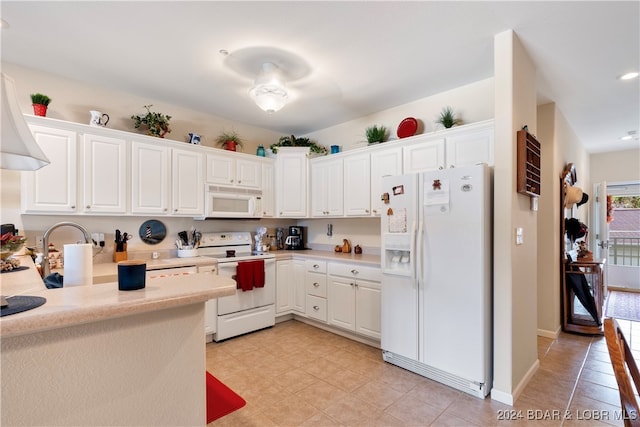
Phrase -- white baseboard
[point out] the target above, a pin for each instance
(510, 398)
(549, 334)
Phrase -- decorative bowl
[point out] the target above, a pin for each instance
(10, 244)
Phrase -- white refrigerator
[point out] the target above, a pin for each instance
(437, 276)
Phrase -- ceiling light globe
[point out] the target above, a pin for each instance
(269, 98)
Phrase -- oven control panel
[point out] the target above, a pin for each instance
(225, 239)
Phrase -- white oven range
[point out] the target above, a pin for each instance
(246, 311)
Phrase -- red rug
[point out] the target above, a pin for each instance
(221, 400)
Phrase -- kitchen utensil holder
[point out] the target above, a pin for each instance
(187, 253)
(120, 256)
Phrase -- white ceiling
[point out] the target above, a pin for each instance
(363, 57)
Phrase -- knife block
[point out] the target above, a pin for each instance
(119, 256)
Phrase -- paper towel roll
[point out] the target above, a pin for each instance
(78, 265)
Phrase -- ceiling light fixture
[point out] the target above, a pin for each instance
(628, 136)
(268, 91)
(629, 76)
(18, 148)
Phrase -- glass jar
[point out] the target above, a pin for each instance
(260, 151)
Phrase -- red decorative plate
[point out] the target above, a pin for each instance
(407, 127)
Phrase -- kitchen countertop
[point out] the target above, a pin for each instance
(85, 304)
(364, 259)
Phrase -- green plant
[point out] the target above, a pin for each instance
(157, 124)
(376, 134)
(292, 141)
(38, 98)
(448, 118)
(222, 139)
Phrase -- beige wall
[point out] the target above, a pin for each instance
(615, 166)
(515, 267)
(560, 145)
(472, 102)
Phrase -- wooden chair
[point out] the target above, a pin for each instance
(623, 365)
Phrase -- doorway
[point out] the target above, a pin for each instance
(619, 239)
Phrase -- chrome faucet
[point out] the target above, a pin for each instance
(45, 242)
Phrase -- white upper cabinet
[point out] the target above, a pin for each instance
(470, 147)
(53, 188)
(187, 183)
(387, 161)
(105, 175)
(327, 183)
(268, 189)
(291, 182)
(150, 178)
(357, 185)
(227, 169)
(423, 154)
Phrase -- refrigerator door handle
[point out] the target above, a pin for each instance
(412, 250)
(419, 256)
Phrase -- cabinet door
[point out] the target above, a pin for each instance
(298, 285)
(383, 162)
(248, 173)
(53, 187)
(105, 175)
(221, 169)
(268, 190)
(470, 148)
(421, 156)
(327, 188)
(284, 278)
(319, 189)
(187, 183)
(357, 185)
(368, 308)
(291, 183)
(341, 302)
(150, 178)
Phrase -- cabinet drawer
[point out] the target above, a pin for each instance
(316, 266)
(317, 308)
(316, 284)
(355, 271)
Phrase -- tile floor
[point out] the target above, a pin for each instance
(297, 375)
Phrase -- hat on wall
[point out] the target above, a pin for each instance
(576, 196)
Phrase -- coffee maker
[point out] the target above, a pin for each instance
(294, 239)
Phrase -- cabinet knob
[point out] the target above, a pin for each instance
(352, 284)
(230, 180)
(316, 284)
(441, 167)
(451, 166)
(164, 210)
(366, 211)
(73, 207)
(316, 266)
(239, 181)
(88, 206)
(354, 271)
(175, 210)
(316, 308)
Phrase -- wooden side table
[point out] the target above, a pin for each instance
(583, 296)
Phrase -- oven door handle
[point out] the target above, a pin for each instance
(235, 263)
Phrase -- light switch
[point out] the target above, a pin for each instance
(519, 236)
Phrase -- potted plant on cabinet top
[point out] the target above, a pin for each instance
(40, 103)
(156, 124)
(229, 141)
(448, 118)
(376, 134)
(292, 141)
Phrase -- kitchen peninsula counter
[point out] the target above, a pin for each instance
(96, 355)
(84, 304)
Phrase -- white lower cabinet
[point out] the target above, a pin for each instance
(354, 298)
(290, 286)
(316, 289)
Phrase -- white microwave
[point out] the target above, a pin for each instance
(232, 202)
